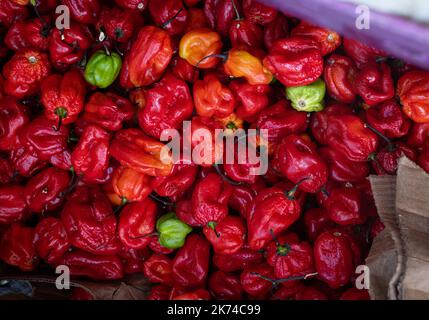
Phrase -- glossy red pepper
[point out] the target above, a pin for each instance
(212, 98)
(334, 259)
(210, 199)
(25, 160)
(251, 99)
(240, 199)
(199, 294)
(299, 160)
(418, 135)
(316, 221)
(68, 46)
(272, 211)
(108, 110)
(340, 168)
(245, 32)
(51, 240)
(227, 236)
(361, 53)
(88, 265)
(196, 19)
(89, 221)
(63, 96)
(170, 15)
(191, 263)
(158, 269)
(11, 11)
(136, 223)
(147, 59)
(132, 148)
(13, 117)
(339, 75)
(295, 61)
(258, 12)
(180, 180)
(374, 83)
(84, 11)
(344, 206)
(90, 158)
(413, 92)
(13, 207)
(16, 38)
(24, 71)
(45, 191)
(159, 292)
(183, 70)
(132, 4)
(168, 104)
(386, 160)
(275, 30)
(220, 14)
(239, 260)
(17, 249)
(253, 284)
(225, 286)
(37, 32)
(119, 25)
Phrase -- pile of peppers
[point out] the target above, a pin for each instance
(83, 182)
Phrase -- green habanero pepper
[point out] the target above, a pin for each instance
(103, 68)
(172, 231)
(307, 98)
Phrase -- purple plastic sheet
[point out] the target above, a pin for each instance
(395, 35)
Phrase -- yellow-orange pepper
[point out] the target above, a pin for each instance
(131, 185)
(240, 63)
(198, 47)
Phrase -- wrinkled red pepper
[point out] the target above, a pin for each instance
(13, 207)
(170, 15)
(339, 75)
(158, 269)
(225, 286)
(51, 240)
(13, 117)
(84, 11)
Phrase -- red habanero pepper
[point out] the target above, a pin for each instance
(258, 13)
(44, 138)
(156, 247)
(13, 207)
(275, 30)
(196, 19)
(386, 160)
(147, 59)
(418, 135)
(374, 83)
(170, 15)
(199, 294)
(212, 98)
(252, 282)
(272, 211)
(251, 99)
(298, 160)
(295, 61)
(168, 104)
(68, 46)
(108, 110)
(185, 213)
(339, 75)
(289, 257)
(136, 223)
(38, 31)
(340, 168)
(191, 263)
(132, 148)
(225, 286)
(328, 40)
(281, 120)
(132, 4)
(45, 191)
(210, 199)
(130, 185)
(388, 119)
(90, 158)
(11, 11)
(24, 71)
(316, 221)
(16, 37)
(51, 240)
(361, 53)
(220, 14)
(119, 25)
(158, 269)
(17, 249)
(132, 259)
(355, 294)
(25, 160)
(63, 96)
(348, 134)
(413, 92)
(320, 120)
(241, 170)
(239, 260)
(344, 206)
(89, 221)
(159, 292)
(84, 11)
(334, 259)
(61, 160)
(13, 117)
(85, 264)
(245, 32)
(7, 174)
(227, 236)
(240, 199)
(183, 70)
(173, 186)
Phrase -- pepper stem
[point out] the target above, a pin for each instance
(222, 56)
(276, 282)
(390, 145)
(124, 201)
(237, 14)
(146, 235)
(212, 225)
(61, 113)
(170, 20)
(155, 197)
(291, 193)
(225, 177)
